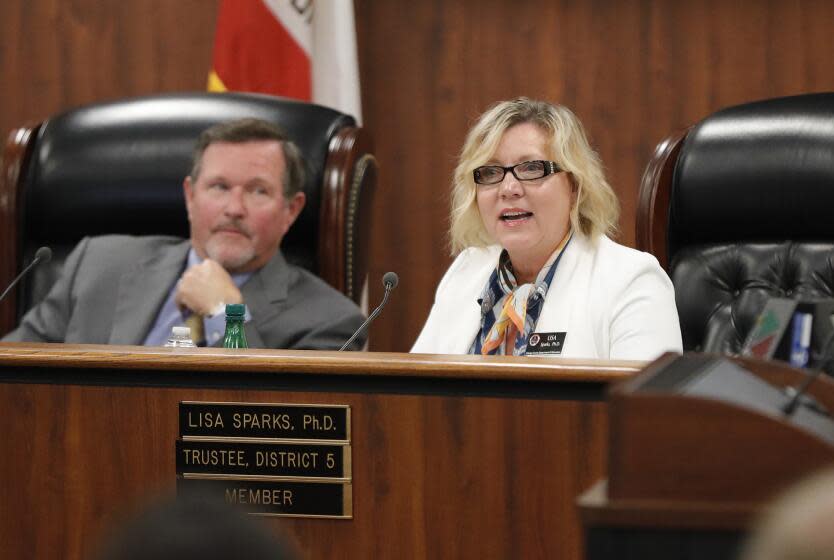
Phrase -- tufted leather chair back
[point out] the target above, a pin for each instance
(118, 167)
(738, 209)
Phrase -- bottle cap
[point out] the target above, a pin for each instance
(235, 310)
(181, 331)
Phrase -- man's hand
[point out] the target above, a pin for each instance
(204, 286)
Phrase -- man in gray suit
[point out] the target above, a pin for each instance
(242, 195)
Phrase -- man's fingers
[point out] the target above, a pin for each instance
(204, 286)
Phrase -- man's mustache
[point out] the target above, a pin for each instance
(233, 225)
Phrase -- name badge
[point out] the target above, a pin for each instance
(546, 343)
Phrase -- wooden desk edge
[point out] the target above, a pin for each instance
(308, 361)
(597, 511)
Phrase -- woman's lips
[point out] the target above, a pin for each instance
(515, 215)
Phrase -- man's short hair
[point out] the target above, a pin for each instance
(249, 130)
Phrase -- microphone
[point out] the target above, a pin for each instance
(798, 395)
(44, 254)
(390, 281)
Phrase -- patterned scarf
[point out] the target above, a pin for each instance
(508, 308)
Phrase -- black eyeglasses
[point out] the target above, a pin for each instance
(524, 171)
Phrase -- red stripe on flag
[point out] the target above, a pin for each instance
(253, 52)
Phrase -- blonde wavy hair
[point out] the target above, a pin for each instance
(596, 210)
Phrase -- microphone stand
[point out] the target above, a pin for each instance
(390, 281)
(797, 394)
(43, 254)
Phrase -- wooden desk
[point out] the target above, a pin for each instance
(689, 470)
(452, 456)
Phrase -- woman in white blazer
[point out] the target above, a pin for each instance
(536, 273)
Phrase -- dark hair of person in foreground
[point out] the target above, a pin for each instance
(194, 528)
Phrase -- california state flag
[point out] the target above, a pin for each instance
(305, 49)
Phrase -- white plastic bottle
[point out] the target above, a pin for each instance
(180, 338)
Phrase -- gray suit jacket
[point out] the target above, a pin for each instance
(112, 287)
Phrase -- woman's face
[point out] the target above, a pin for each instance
(527, 218)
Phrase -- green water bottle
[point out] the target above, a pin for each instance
(235, 337)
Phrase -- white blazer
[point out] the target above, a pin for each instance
(612, 302)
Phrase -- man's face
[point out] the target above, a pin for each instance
(236, 206)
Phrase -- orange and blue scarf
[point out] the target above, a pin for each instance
(508, 308)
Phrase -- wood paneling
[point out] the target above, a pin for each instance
(57, 54)
(634, 71)
(85, 454)
(439, 469)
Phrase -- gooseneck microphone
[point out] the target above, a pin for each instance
(44, 254)
(390, 281)
(798, 395)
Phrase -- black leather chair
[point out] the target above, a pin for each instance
(118, 167)
(738, 209)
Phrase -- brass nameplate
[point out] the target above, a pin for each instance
(264, 421)
(270, 459)
(263, 459)
(279, 497)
